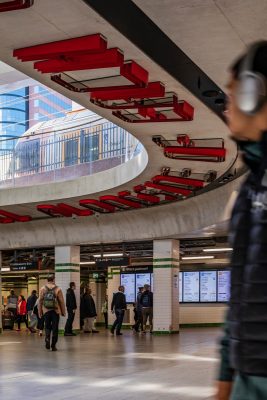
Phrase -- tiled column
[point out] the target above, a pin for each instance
(42, 280)
(67, 268)
(1, 306)
(113, 284)
(166, 286)
(98, 293)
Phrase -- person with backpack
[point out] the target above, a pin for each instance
(71, 305)
(51, 306)
(146, 302)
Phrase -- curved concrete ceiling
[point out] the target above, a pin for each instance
(208, 32)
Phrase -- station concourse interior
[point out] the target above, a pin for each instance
(117, 170)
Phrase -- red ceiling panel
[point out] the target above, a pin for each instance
(108, 59)
(168, 188)
(197, 183)
(97, 205)
(15, 5)
(69, 47)
(15, 217)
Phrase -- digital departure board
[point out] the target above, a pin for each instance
(191, 287)
(224, 285)
(208, 286)
(128, 281)
(141, 280)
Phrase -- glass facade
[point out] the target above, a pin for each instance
(23, 108)
(14, 116)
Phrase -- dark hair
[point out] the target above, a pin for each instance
(72, 284)
(259, 62)
(22, 297)
(51, 278)
(34, 291)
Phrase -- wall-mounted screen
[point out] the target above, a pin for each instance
(208, 286)
(191, 287)
(141, 280)
(223, 285)
(128, 281)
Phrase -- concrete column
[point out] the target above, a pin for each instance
(1, 302)
(32, 285)
(67, 268)
(166, 286)
(113, 284)
(98, 293)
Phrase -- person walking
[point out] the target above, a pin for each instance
(88, 311)
(40, 321)
(118, 306)
(71, 305)
(32, 318)
(139, 321)
(21, 312)
(243, 366)
(51, 306)
(12, 301)
(104, 311)
(146, 302)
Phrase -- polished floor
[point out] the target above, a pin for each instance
(99, 366)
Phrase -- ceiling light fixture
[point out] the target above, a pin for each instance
(198, 258)
(218, 249)
(108, 255)
(87, 262)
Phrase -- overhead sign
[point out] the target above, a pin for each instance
(112, 262)
(23, 266)
(139, 268)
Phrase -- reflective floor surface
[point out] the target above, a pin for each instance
(100, 366)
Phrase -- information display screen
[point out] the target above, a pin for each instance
(208, 286)
(223, 285)
(180, 287)
(128, 281)
(191, 287)
(141, 280)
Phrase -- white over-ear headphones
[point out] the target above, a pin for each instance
(252, 88)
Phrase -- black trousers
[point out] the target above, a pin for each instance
(69, 322)
(51, 326)
(22, 318)
(138, 322)
(118, 321)
(106, 319)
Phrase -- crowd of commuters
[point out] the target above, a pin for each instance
(44, 311)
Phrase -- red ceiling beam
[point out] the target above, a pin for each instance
(6, 220)
(198, 152)
(197, 183)
(153, 89)
(96, 205)
(78, 46)
(109, 59)
(168, 188)
(119, 202)
(62, 209)
(15, 217)
(134, 73)
(15, 5)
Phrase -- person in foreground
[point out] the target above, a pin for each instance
(243, 367)
(51, 305)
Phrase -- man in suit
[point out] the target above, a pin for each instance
(118, 306)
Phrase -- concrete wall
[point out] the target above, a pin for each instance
(167, 221)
